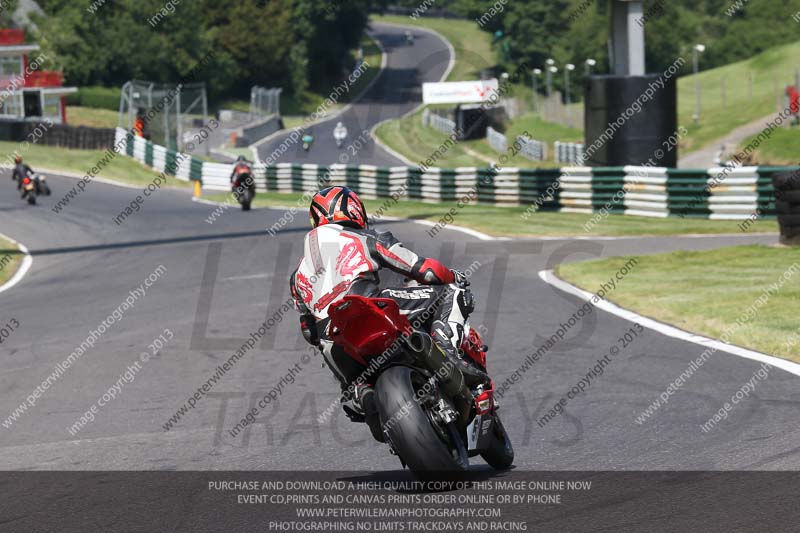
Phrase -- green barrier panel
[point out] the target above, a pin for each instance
(447, 185)
(415, 183)
(297, 178)
(540, 187)
(129, 144)
(486, 187)
(171, 162)
(196, 169)
(323, 178)
(148, 154)
(687, 194)
(607, 184)
(353, 177)
(272, 178)
(382, 188)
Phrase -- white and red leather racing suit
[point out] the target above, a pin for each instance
(339, 260)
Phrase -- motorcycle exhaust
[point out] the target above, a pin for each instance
(450, 377)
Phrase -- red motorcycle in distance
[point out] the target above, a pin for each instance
(244, 186)
(428, 416)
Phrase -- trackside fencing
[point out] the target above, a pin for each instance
(569, 153)
(438, 122)
(496, 140)
(531, 148)
(714, 193)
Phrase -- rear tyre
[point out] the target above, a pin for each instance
(31, 199)
(424, 445)
(246, 199)
(500, 454)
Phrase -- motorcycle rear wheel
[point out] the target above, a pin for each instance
(423, 444)
(31, 199)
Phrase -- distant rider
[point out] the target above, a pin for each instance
(21, 171)
(241, 166)
(339, 133)
(308, 138)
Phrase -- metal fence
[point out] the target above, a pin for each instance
(569, 153)
(443, 124)
(532, 149)
(170, 114)
(496, 140)
(265, 102)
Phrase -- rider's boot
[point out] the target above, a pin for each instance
(447, 340)
(365, 398)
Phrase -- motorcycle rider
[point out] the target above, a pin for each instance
(308, 139)
(20, 172)
(339, 133)
(240, 165)
(343, 256)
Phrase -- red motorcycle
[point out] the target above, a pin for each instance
(428, 415)
(244, 186)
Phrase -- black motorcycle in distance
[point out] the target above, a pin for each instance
(244, 185)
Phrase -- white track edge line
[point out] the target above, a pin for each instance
(27, 261)
(549, 277)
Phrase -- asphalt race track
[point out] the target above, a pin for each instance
(395, 92)
(221, 281)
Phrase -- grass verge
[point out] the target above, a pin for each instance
(10, 258)
(92, 116)
(706, 292)
(780, 149)
(417, 142)
(764, 73)
(122, 168)
(508, 221)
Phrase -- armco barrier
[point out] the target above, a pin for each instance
(715, 193)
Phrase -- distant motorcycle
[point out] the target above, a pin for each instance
(307, 140)
(410, 38)
(339, 134)
(244, 186)
(33, 186)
